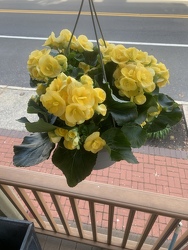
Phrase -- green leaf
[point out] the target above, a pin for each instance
(121, 111)
(135, 134)
(149, 106)
(118, 145)
(91, 57)
(76, 165)
(37, 108)
(165, 119)
(53, 53)
(39, 126)
(74, 71)
(23, 120)
(110, 67)
(74, 58)
(34, 149)
(170, 115)
(33, 83)
(167, 102)
(87, 129)
(79, 57)
(97, 75)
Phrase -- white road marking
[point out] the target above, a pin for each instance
(150, 44)
(23, 37)
(114, 42)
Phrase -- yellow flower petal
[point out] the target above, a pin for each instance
(94, 143)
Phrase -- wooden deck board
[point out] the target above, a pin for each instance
(52, 243)
(49, 243)
(68, 245)
(42, 239)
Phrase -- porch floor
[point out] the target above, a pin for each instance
(53, 243)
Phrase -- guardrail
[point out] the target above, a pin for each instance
(34, 194)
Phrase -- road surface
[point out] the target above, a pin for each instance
(160, 29)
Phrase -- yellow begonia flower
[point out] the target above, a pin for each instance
(162, 74)
(157, 112)
(53, 102)
(62, 60)
(65, 35)
(84, 96)
(153, 60)
(72, 83)
(84, 43)
(94, 143)
(52, 41)
(151, 88)
(58, 83)
(143, 57)
(71, 134)
(64, 38)
(73, 101)
(61, 42)
(129, 94)
(100, 95)
(106, 50)
(80, 93)
(49, 66)
(143, 124)
(61, 132)
(101, 109)
(54, 137)
(77, 114)
(41, 89)
(127, 84)
(138, 56)
(134, 80)
(32, 64)
(119, 54)
(35, 56)
(117, 73)
(143, 76)
(132, 53)
(37, 74)
(73, 144)
(72, 139)
(85, 67)
(74, 44)
(103, 43)
(139, 99)
(85, 79)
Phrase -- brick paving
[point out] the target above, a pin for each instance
(155, 172)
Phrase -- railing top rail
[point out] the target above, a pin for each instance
(150, 202)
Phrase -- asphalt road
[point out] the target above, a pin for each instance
(160, 29)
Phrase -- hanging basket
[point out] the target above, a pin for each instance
(103, 160)
(91, 97)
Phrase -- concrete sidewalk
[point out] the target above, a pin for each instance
(159, 170)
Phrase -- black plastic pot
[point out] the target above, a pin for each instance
(17, 235)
